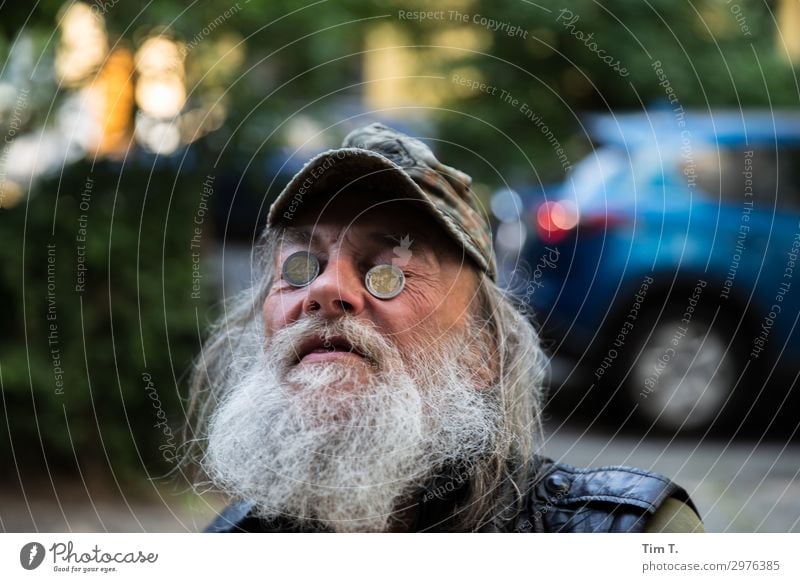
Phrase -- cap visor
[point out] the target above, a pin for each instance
(330, 173)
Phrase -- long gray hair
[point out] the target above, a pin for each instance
(497, 484)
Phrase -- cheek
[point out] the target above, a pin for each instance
(421, 316)
(414, 305)
(278, 312)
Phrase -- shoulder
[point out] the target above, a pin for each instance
(674, 517)
(603, 499)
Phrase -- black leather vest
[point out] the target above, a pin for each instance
(605, 499)
(561, 498)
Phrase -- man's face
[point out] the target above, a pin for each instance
(355, 400)
(349, 239)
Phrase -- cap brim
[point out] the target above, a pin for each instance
(331, 172)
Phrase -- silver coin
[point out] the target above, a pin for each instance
(300, 268)
(385, 281)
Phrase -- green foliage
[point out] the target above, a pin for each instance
(88, 360)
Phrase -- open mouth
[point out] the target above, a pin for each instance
(319, 348)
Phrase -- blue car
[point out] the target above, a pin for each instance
(665, 270)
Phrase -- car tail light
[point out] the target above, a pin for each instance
(555, 219)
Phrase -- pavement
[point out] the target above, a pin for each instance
(73, 507)
(743, 485)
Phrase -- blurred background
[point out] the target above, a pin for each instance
(640, 162)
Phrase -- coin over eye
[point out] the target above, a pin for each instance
(385, 281)
(300, 268)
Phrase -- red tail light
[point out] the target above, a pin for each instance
(555, 219)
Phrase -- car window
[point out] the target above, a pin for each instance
(589, 181)
(730, 174)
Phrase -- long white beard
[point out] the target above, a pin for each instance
(313, 443)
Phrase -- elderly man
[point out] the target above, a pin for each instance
(377, 379)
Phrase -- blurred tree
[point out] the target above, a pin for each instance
(98, 267)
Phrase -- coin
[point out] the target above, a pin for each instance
(300, 268)
(385, 281)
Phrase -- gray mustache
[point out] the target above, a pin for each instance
(284, 346)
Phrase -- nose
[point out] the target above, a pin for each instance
(338, 290)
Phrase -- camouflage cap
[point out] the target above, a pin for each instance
(383, 160)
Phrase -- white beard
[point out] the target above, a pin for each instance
(312, 443)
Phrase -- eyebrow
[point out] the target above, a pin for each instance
(296, 236)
